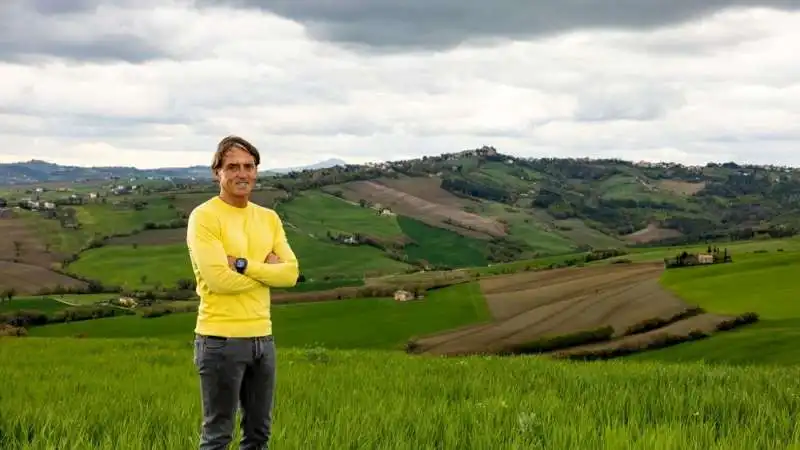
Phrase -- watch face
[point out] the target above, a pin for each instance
(240, 263)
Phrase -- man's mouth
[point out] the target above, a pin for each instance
(242, 184)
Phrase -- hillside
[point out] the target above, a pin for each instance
(352, 222)
(38, 171)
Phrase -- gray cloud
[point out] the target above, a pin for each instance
(441, 24)
(76, 30)
(626, 102)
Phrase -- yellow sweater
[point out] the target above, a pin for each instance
(233, 304)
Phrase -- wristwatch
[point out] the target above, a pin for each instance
(240, 264)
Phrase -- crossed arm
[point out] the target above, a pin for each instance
(280, 267)
(208, 256)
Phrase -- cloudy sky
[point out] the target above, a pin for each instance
(158, 82)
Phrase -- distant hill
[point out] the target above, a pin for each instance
(320, 165)
(38, 171)
(464, 209)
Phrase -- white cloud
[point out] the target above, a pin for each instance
(720, 89)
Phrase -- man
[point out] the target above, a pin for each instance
(238, 250)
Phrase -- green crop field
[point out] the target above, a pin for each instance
(441, 246)
(319, 258)
(527, 228)
(766, 283)
(317, 212)
(142, 266)
(142, 394)
(736, 248)
(43, 304)
(146, 265)
(352, 323)
(579, 232)
(103, 220)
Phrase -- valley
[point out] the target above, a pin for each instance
(430, 288)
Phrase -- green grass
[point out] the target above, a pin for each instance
(143, 394)
(101, 219)
(317, 212)
(321, 258)
(516, 266)
(441, 246)
(144, 266)
(767, 284)
(166, 264)
(43, 304)
(626, 187)
(352, 323)
(577, 231)
(527, 228)
(736, 248)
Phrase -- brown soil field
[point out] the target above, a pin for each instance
(32, 250)
(651, 233)
(706, 323)
(531, 305)
(426, 188)
(152, 237)
(28, 279)
(434, 214)
(681, 187)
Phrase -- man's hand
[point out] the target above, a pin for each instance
(272, 258)
(231, 261)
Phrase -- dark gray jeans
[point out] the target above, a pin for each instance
(236, 372)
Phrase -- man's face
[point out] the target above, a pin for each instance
(238, 173)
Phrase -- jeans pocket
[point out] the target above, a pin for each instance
(214, 343)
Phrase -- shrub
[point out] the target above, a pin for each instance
(657, 322)
(24, 318)
(743, 319)
(10, 330)
(159, 310)
(551, 343)
(661, 340)
(80, 313)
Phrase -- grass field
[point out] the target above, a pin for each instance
(766, 283)
(103, 220)
(440, 246)
(735, 247)
(352, 323)
(320, 258)
(143, 266)
(146, 265)
(45, 305)
(143, 394)
(317, 212)
(526, 227)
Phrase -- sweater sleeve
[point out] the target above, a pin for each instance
(208, 255)
(283, 274)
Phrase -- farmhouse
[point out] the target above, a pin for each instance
(703, 258)
(127, 301)
(403, 296)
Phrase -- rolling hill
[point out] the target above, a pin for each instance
(472, 208)
(503, 256)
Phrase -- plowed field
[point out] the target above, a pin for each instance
(152, 237)
(18, 233)
(532, 305)
(651, 233)
(29, 279)
(445, 215)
